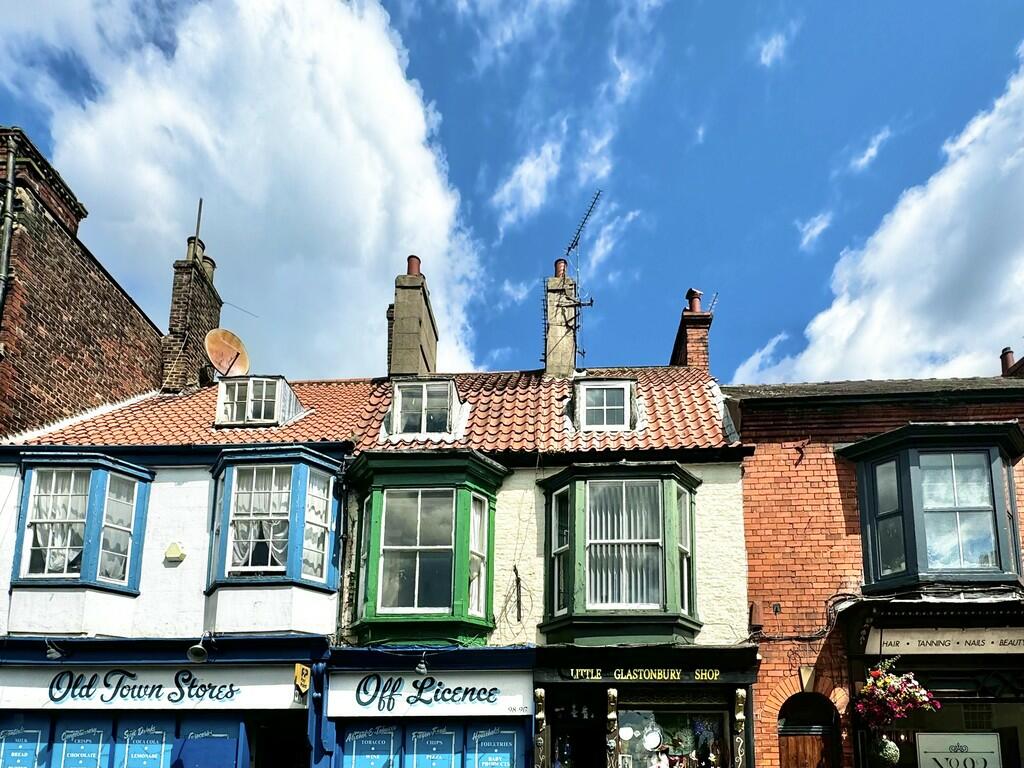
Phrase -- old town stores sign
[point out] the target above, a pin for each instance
(407, 694)
(184, 688)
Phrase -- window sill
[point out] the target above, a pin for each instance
(911, 580)
(92, 584)
(603, 627)
(423, 627)
(268, 581)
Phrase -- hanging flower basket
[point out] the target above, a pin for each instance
(887, 697)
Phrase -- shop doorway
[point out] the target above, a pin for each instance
(808, 732)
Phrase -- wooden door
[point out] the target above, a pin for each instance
(805, 751)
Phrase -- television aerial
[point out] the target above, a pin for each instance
(227, 352)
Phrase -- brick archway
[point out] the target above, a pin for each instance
(823, 684)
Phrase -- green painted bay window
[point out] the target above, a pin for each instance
(620, 552)
(426, 545)
(937, 504)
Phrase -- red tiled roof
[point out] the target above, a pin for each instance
(509, 411)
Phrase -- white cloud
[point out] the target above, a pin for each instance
(501, 25)
(524, 191)
(867, 157)
(812, 229)
(515, 293)
(612, 226)
(935, 291)
(771, 50)
(298, 125)
(749, 370)
(698, 135)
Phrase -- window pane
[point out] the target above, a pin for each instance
(437, 397)
(605, 514)
(978, 540)
(594, 397)
(615, 417)
(561, 520)
(436, 518)
(594, 417)
(115, 541)
(683, 508)
(113, 566)
(437, 421)
(642, 518)
(887, 488)
(312, 564)
(604, 574)
(412, 408)
(398, 579)
(972, 480)
(684, 581)
(937, 480)
(561, 595)
(643, 573)
(400, 518)
(478, 526)
(614, 396)
(119, 514)
(941, 539)
(892, 555)
(435, 584)
(477, 577)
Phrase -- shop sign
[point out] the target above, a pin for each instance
(405, 694)
(885, 642)
(183, 688)
(958, 750)
(644, 674)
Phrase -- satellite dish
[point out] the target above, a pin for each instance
(227, 352)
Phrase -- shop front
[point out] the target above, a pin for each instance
(645, 706)
(68, 714)
(435, 708)
(975, 670)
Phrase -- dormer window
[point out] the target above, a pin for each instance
(423, 408)
(605, 405)
(262, 401)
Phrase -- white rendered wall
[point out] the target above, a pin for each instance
(171, 600)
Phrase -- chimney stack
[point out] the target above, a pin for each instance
(1009, 366)
(561, 304)
(412, 330)
(691, 345)
(195, 311)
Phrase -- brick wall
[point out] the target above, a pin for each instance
(803, 539)
(73, 339)
(195, 310)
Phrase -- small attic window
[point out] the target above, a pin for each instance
(423, 408)
(253, 400)
(605, 406)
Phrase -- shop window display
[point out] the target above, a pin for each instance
(666, 739)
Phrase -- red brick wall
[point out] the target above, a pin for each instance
(73, 339)
(803, 539)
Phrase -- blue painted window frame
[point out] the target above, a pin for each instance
(302, 460)
(100, 468)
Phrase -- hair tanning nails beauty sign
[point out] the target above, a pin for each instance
(407, 694)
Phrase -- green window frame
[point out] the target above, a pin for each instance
(619, 552)
(429, 553)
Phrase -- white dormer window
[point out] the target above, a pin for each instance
(423, 408)
(256, 401)
(605, 405)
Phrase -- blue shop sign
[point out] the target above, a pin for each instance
(144, 743)
(210, 743)
(81, 743)
(433, 747)
(24, 741)
(371, 747)
(493, 747)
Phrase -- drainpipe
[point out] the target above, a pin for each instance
(8, 225)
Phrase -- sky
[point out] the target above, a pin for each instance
(844, 182)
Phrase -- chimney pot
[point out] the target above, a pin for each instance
(209, 267)
(1006, 358)
(195, 249)
(693, 297)
(413, 267)
(560, 265)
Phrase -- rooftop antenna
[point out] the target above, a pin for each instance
(714, 300)
(572, 251)
(199, 217)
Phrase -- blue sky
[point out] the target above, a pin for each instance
(847, 179)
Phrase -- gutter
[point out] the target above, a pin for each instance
(8, 225)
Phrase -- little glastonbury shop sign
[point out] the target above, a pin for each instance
(126, 687)
(407, 694)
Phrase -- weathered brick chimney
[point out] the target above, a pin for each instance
(691, 345)
(195, 311)
(1008, 366)
(412, 330)
(561, 307)
(34, 173)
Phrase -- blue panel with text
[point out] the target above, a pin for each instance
(433, 746)
(144, 742)
(372, 747)
(207, 742)
(82, 743)
(494, 746)
(24, 741)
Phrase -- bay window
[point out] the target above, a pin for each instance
(276, 517)
(82, 522)
(425, 548)
(937, 504)
(620, 551)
